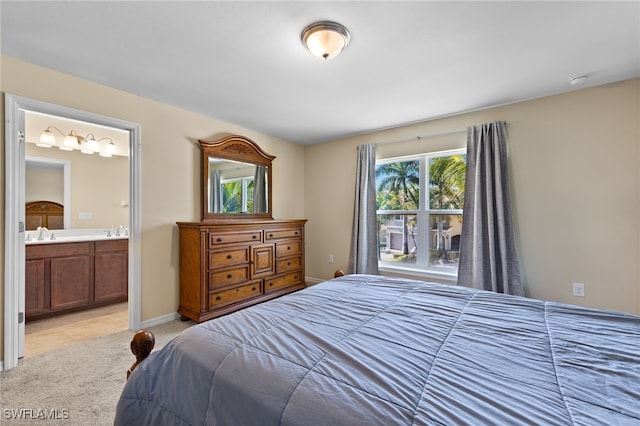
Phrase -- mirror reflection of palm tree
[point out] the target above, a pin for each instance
(402, 181)
(232, 196)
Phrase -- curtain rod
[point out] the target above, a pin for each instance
(430, 135)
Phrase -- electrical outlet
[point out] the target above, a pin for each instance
(578, 289)
(330, 259)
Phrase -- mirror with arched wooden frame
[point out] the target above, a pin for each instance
(236, 179)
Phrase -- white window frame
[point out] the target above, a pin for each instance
(421, 268)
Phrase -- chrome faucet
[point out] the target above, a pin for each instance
(41, 230)
(118, 230)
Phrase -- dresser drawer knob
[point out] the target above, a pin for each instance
(255, 237)
(288, 248)
(229, 276)
(218, 298)
(288, 263)
(271, 284)
(253, 289)
(270, 235)
(229, 256)
(296, 233)
(218, 240)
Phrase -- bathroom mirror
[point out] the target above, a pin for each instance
(236, 179)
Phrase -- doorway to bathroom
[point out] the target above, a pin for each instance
(74, 193)
(122, 208)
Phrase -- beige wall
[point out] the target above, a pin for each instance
(574, 162)
(98, 186)
(44, 184)
(170, 167)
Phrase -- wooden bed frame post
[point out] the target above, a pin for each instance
(141, 345)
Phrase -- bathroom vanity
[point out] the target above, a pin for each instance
(72, 274)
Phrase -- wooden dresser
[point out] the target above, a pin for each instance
(226, 265)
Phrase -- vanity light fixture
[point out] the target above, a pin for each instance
(325, 39)
(47, 138)
(87, 145)
(109, 150)
(90, 145)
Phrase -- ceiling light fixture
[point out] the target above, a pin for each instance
(325, 39)
(87, 145)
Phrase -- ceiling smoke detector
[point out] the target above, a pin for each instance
(578, 80)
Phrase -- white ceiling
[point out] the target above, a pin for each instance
(243, 62)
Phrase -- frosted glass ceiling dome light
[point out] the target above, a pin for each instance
(325, 39)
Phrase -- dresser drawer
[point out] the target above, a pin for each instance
(229, 257)
(233, 295)
(276, 234)
(215, 239)
(219, 279)
(282, 281)
(288, 248)
(289, 264)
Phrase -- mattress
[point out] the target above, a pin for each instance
(373, 350)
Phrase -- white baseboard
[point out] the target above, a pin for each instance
(311, 280)
(159, 320)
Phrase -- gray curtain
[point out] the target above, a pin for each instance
(363, 257)
(488, 259)
(260, 190)
(216, 192)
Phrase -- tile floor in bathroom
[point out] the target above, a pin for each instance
(55, 333)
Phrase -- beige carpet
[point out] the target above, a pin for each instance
(77, 385)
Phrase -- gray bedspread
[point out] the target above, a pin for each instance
(367, 350)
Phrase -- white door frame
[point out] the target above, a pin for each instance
(14, 234)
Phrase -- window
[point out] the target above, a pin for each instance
(417, 232)
(237, 195)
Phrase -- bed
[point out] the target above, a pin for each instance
(367, 350)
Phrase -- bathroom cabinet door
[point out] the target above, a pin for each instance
(70, 282)
(34, 287)
(111, 270)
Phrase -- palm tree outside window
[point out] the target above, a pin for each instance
(417, 232)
